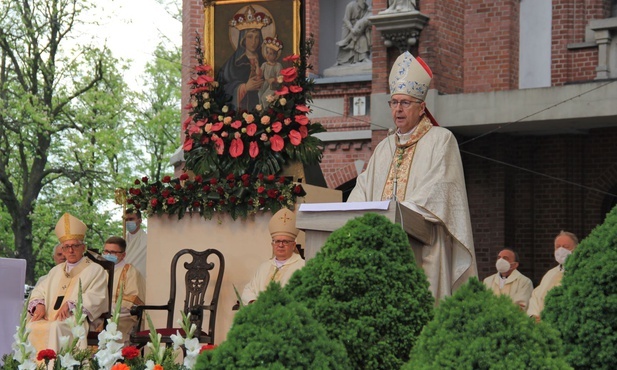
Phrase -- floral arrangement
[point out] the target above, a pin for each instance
(110, 355)
(221, 140)
(238, 155)
(239, 196)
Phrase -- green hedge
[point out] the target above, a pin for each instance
(275, 333)
(364, 286)
(476, 329)
(584, 307)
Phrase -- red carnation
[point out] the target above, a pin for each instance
(154, 202)
(171, 200)
(46, 354)
(166, 179)
(130, 352)
(184, 176)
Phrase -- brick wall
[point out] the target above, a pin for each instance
(552, 183)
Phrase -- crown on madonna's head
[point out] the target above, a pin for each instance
(250, 20)
(273, 43)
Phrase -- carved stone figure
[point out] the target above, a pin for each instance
(355, 45)
(396, 6)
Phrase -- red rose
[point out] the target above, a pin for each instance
(137, 192)
(184, 176)
(260, 176)
(206, 188)
(245, 177)
(196, 204)
(222, 202)
(273, 193)
(261, 189)
(233, 199)
(171, 200)
(262, 201)
(281, 198)
(165, 193)
(270, 178)
(144, 179)
(153, 190)
(130, 201)
(46, 354)
(154, 202)
(282, 180)
(295, 137)
(177, 187)
(220, 190)
(251, 129)
(210, 204)
(250, 202)
(198, 179)
(137, 182)
(230, 177)
(207, 347)
(166, 179)
(298, 189)
(130, 352)
(236, 148)
(289, 74)
(295, 88)
(213, 181)
(276, 143)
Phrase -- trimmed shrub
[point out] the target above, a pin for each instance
(275, 333)
(364, 286)
(584, 307)
(476, 329)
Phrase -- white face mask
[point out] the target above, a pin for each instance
(561, 254)
(502, 265)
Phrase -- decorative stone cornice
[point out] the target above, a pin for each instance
(400, 29)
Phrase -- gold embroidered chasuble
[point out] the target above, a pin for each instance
(430, 180)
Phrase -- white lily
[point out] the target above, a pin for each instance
(192, 347)
(177, 339)
(27, 365)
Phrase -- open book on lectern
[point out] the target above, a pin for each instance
(318, 220)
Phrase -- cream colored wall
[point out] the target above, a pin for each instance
(244, 244)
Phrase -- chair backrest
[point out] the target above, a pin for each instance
(200, 273)
(109, 267)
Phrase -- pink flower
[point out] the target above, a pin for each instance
(302, 108)
(217, 126)
(295, 137)
(219, 145)
(302, 119)
(303, 131)
(295, 89)
(186, 123)
(253, 149)
(251, 129)
(265, 120)
(282, 91)
(188, 144)
(277, 143)
(277, 126)
(289, 74)
(249, 118)
(203, 68)
(236, 124)
(291, 58)
(236, 148)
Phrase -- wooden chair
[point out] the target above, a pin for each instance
(93, 335)
(197, 280)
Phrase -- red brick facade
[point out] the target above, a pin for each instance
(552, 182)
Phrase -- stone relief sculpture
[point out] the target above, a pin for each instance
(355, 45)
(396, 6)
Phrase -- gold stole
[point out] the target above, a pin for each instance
(68, 281)
(401, 163)
(122, 280)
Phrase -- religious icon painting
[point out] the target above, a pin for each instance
(245, 43)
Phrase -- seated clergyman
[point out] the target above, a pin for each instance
(286, 259)
(52, 301)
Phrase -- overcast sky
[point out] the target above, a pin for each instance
(132, 29)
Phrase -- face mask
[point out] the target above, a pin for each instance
(502, 265)
(131, 226)
(111, 258)
(561, 254)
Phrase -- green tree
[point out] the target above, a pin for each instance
(365, 287)
(476, 329)
(54, 115)
(156, 127)
(275, 332)
(584, 307)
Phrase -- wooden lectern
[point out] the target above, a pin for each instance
(319, 220)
